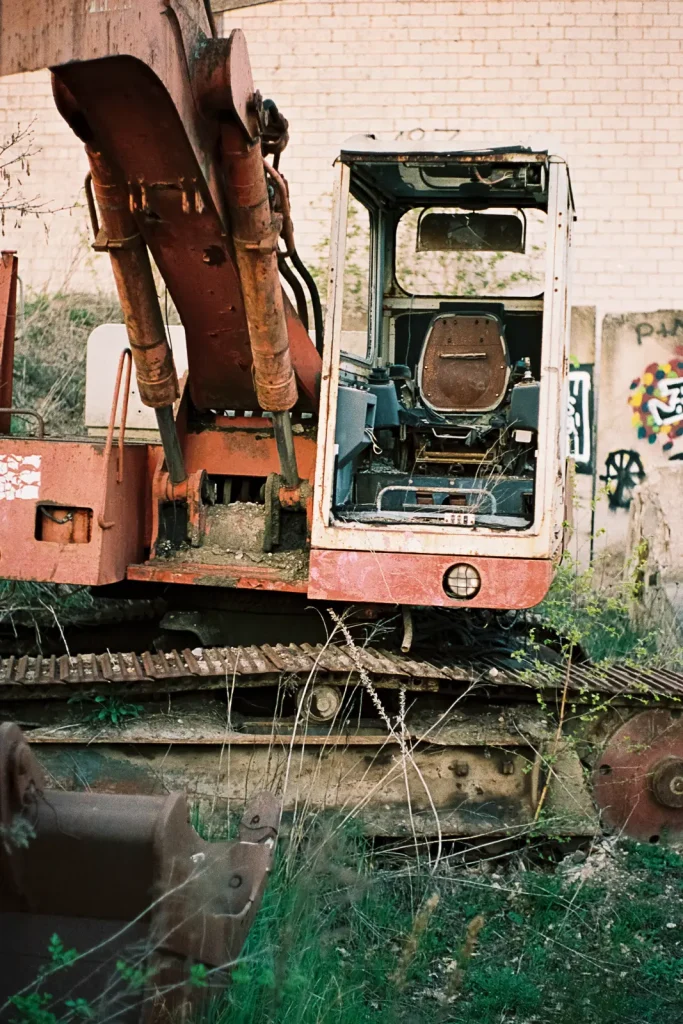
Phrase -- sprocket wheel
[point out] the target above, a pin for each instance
(638, 779)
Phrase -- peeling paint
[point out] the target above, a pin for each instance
(19, 477)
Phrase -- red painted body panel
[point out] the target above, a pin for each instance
(387, 578)
(244, 451)
(69, 474)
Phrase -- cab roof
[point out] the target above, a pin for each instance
(482, 170)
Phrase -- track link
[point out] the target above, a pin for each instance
(212, 668)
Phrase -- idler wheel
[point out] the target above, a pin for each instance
(320, 703)
(638, 778)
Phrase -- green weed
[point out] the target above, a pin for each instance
(592, 618)
(17, 835)
(110, 711)
(24, 599)
(550, 946)
(59, 954)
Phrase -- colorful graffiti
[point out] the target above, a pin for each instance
(657, 402)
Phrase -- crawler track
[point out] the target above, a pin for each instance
(472, 751)
(209, 668)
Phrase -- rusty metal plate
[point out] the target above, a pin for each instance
(638, 780)
(93, 863)
(464, 365)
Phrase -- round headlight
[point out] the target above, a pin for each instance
(462, 581)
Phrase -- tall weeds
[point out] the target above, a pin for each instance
(49, 363)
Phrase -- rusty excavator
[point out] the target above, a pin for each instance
(310, 540)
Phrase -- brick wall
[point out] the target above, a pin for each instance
(604, 78)
(53, 251)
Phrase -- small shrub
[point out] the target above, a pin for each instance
(110, 711)
(592, 618)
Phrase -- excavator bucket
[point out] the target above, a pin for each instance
(115, 900)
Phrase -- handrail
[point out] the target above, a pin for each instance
(126, 355)
(27, 412)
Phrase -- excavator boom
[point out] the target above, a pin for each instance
(149, 88)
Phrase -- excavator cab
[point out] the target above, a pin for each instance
(443, 418)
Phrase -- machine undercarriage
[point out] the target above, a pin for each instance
(467, 736)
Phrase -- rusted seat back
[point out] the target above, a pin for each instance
(464, 366)
(124, 880)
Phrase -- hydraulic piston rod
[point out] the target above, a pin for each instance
(256, 231)
(154, 367)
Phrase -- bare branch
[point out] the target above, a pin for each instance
(16, 151)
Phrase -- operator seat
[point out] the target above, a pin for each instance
(464, 365)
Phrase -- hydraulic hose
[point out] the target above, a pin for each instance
(307, 277)
(296, 286)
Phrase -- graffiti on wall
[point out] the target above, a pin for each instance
(580, 418)
(657, 402)
(646, 330)
(623, 472)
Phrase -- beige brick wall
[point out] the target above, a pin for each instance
(603, 77)
(53, 251)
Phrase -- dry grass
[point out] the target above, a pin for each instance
(49, 363)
